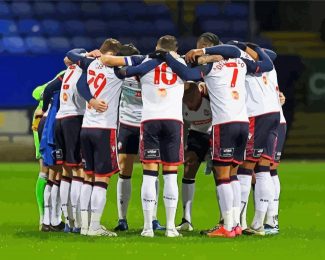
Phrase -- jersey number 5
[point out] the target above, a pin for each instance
(98, 81)
(160, 74)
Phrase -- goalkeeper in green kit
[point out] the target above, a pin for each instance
(37, 127)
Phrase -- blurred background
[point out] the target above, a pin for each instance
(35, 35)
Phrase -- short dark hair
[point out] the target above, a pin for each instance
(128, 50)
(210, 38)
(168, 43)
(110, 45)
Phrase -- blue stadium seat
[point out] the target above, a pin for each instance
(240, 28)
(207, 10)
(111, 10)
(14, 44)
(7, 27)
(142, 28)
(59, 44)
(134, 10)
(83, 42)
(96, 28)
(74, 28)
(22, 9)
(125, 40)
(90, 10)
(219, 27)
(45, 10)
(119, 28)
(52, 27)
(36, 44)
(68, 10)
(236, 10)
(147, 44)
(164, 27)
(5, 11)
(29, 27)
(158, 10)
(186, 43)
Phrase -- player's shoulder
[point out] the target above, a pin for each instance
(245, 55)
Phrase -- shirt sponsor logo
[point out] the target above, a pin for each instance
(227, 152)
(151, 153)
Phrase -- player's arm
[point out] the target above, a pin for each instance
(117, 61)
(186, 73)
(78, 56)
(264, 64)
(138, 70)
(208, 59)
(84, 91)
(53, 86)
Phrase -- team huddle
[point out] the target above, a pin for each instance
(113, 103)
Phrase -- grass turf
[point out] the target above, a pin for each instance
(301, 221)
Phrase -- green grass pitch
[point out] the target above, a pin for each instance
(302, 217)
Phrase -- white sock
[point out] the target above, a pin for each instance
(55, 217)
(245, 181)
(98, 201)
(170, 198)
(76, 185)
(148, 198)
(155, 208)
(264, 193)
(235, 185)
(273, 208)
(64, 197)
(188, 188)
(47, 203)
(226, 199)
(123, 196)
(42, 175)
(85, 196)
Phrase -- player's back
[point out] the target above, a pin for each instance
(262, 96)
(104, 85)
(226, 86)
(162, 93)
(130, 111)
(71, 103)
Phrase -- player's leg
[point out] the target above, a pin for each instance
(264, 188)
(271, 225)
(239, 153)
(43, 171)
(223, 144)
(105, 165)
(56, 223)
(245, 171)
(155, 222)
(150, 158)
(128, 146)
(87, 149)
(71, 128)
(172, 155)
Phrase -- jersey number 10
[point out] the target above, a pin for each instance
(160, 74)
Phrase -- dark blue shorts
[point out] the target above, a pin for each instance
(99, 150)
(128, 139)
(199, 143)
(161, 141)
(229, 142)
(263, 132)
(67, 139)
(282, 130)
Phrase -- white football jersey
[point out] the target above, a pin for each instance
(71, 103)
(272, 75)
(162, 93)
(130, 112)
(104, 85)
(226, 87)
(262, 96)
(201, 119)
